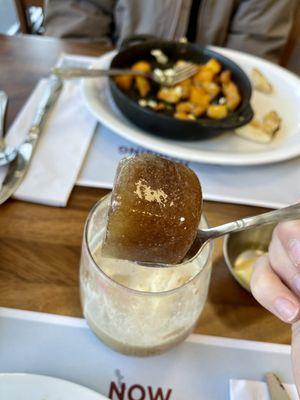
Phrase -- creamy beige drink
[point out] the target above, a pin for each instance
(134, 309)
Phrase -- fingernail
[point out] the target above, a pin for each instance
(286, 309)
(296, 282)
(294, 251)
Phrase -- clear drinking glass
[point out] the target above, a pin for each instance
(139, 310)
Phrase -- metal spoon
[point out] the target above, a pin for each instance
(7, 153)
(204, 236)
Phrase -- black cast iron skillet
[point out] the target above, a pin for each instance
(163, 123)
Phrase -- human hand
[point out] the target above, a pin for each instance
(275, 283)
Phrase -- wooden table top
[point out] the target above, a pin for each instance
(40, 245)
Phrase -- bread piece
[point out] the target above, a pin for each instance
(260, 82)
(254, 132)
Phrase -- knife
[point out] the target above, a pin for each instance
(18, 168)
(276, 388)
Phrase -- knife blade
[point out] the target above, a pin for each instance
(19, 167)
(276, 388)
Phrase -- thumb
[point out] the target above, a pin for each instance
(296, 353)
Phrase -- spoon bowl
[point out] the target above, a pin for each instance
(204, 236)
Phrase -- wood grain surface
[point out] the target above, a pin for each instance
(40, 245)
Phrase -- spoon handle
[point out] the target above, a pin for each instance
(68, 73)
(282, 214)
(3, 105)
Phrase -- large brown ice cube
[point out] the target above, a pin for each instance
(155, 210)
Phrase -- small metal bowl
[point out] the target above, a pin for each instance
(235, 244)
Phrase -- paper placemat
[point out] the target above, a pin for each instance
(253, 390)
(199, 368)
(273, 186)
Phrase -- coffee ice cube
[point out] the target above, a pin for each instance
(154, 212)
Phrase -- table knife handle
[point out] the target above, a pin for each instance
(53, 88)
(276, 388)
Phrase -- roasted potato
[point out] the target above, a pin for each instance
(181, 115)
(124, 82)
(212, 88)
(214, 65)
(143, 85)
(143, 66)
(190, 108)
(186, 88)
(217, 111)
(199, 97)
(204, 75)
(185, 107)
(184, 116)
(160, 106)
(225, 76)
(170, 94)
(232, 94)
(198, 110)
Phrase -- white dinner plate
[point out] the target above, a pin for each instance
(39, 387)
(227, 148)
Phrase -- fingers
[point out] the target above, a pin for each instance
(275, 282)
(289, 235)
(296, 353)
(271, 292)
(284, 253)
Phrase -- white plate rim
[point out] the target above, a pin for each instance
(136, 135)
(46, 379)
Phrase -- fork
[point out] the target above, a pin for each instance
(167, 77)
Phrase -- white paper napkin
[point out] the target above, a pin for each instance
(254, 390)
(61, 148)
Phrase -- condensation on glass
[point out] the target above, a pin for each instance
(139, 310)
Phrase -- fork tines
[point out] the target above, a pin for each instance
(185, 71)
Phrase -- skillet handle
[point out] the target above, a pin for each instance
(247, 114)
(138, 38)
(239, 119)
